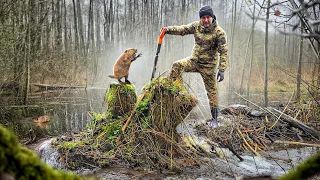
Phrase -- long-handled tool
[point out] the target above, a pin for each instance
(163, 31)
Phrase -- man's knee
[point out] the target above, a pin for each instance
(213, 100)
(176, 66)
(175, 70)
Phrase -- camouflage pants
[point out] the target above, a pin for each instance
(208, 75)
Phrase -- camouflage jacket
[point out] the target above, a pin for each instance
(208, 43)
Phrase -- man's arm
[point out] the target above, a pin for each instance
(223, 50)
(181, 30)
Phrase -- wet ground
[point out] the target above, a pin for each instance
(211, 168)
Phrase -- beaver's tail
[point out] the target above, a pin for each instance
(111, 76)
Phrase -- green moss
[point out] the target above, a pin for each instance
(120, 99)
(96, 118)
(110, 131)
(306, 169)
(22, 163)
(70, 145)
(143, 106)
(166, 84)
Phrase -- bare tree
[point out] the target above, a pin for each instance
(299, 66)
(252, 51)
(266, 55)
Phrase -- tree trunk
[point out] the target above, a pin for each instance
(97, 24)
(299, 65)
(75, 26)
(80, 27)
(66, 49)
(266, 55)
(252, 45)
(58, 26)
(234, 20)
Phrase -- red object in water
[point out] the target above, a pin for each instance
(277, 13)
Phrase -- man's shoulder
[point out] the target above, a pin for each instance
(195, 23)
(219, 29)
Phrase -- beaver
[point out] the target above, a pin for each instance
(122, 65)
(41, 119)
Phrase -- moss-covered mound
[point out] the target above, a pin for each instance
(120, 99)
(144, 136)
(22, 163)
(151, 138)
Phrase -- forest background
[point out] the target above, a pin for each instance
(273, 45)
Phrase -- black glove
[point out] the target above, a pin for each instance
(220, 76)
(166, 30)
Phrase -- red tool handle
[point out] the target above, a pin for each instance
(163, 31)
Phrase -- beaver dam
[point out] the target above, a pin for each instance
(134, 131)
(141, 131)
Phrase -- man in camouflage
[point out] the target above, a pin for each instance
(210, 42)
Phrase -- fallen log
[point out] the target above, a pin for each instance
(295, 123)
(45, 87)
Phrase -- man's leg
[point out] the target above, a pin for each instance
(180, 66)
(209, 79)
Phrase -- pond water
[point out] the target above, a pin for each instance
(68, 111)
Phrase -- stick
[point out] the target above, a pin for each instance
(226, 144)
(233, 151)
(253, 130)
(297, 134)
(281, 113)
(297, 143)
(248, 145)
(132, 113)
(269, 137)
(255, 140)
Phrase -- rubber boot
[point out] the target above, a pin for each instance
(214, 120)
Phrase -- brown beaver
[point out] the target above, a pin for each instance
(122, 65)
(41, 119)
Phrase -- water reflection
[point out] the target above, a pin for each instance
(67, 109)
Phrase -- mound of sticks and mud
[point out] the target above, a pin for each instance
(141, 131)
(244, 129)
(134, 131)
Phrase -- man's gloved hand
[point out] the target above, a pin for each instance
(163, 28)
(220, 76)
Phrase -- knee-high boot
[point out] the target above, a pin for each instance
(214, 113)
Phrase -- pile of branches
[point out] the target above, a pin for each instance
(140, 134)
(161, 107)
(255, 131)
